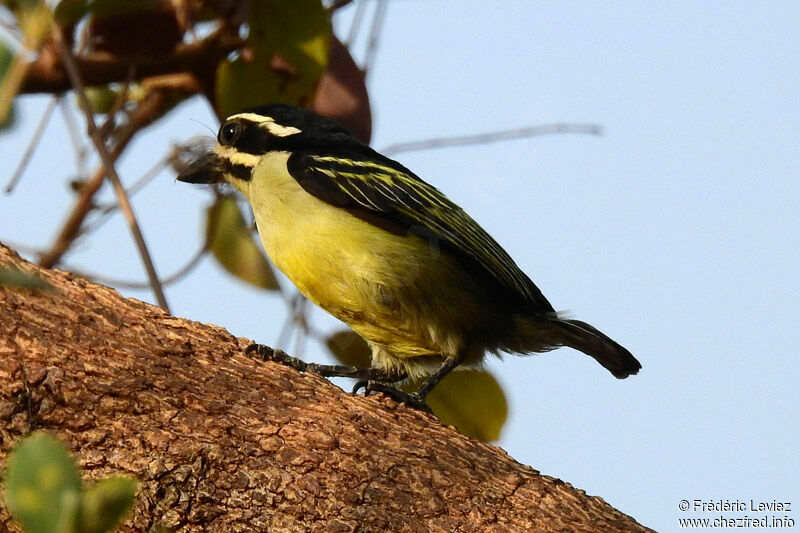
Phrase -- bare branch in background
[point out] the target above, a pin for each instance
(374, 35)
(491, 137)
(108, 163)
(34, 142)
(104, 212)
(111, 117)
(73, 130)
(297, 316)
(176, 276)
(141, 116)
(355, 25)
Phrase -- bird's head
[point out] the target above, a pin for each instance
(245, 138)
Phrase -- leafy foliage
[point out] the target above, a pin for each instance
(101, 98)
(34, 22)
(43, 490)
(19, 279)
(106, 503)
(288, 52)
(6, 117)
(43, 486)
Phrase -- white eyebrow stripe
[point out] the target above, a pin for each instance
(279, 131)
(252, 117)
(268, 123)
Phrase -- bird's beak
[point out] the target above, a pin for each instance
(206, 169)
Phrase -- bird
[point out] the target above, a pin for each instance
(376, 246)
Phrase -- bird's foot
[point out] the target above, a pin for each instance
(265, 353)
(411, 399)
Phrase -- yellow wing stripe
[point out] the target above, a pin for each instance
(421, 202)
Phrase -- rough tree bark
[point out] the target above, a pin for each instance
(223, 442)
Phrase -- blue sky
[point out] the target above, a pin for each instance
(677, 232)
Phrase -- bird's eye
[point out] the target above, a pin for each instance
(229, 133)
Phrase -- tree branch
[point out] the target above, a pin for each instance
(176, 276)
(224, 442)
(32, 144)
(491, 137)
(108, 163)
(147, 109)
(47, 74)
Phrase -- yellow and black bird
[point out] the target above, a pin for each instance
(366, 239)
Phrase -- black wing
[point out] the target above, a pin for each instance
(394, 196)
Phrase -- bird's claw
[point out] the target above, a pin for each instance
(413, 399)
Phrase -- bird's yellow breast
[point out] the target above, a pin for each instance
(377, 282)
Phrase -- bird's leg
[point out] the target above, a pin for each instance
(329, 371)
(414, 399)
(449, 364)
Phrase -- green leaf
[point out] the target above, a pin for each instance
(7, 112)
(231, 242)
(42, 485)
(106, 503)
(471, 400)
(12, 277)
(101, 98)
(34, 20)
(288, 51)
(349, 349)
(10, 120)
(6, 56)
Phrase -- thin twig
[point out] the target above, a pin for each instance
(137, 119)
(355, 25)
(140, 285)
(147, 177)
(297, 316)
(289, 322)
(491, 137)
(34, 142)
(116, 106)
(302, 330)
(77, 140)
(374, 35)
(108, 163)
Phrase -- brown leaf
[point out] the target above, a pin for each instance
(342, 93)
(349, 349)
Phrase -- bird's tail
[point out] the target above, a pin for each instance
(554, 332)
